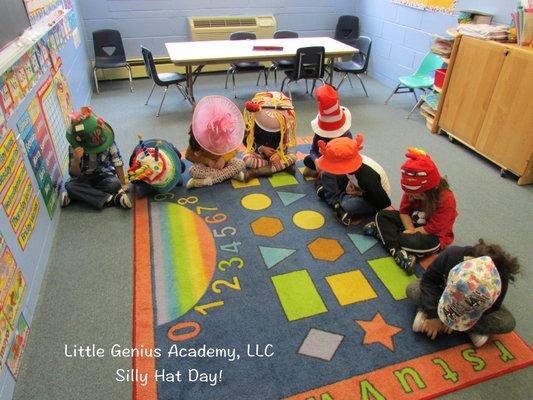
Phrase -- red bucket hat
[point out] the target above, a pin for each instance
(419, 172)
(332, 119)
(341, 155)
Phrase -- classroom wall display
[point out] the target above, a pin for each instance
(37, 9)
(18, 346)
(432, 5)
(16, 192)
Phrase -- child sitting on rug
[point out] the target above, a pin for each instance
(463, 290)
(270, 130)
(332, 121)
(95, 164)
(424, 224)
(216, 132)
(353, 184)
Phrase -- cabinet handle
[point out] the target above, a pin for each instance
(506, 51)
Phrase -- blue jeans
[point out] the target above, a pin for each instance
(356, 205)
(334, 192)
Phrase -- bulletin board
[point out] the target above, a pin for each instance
(432, 5)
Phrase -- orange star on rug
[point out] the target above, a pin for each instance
(378, 331)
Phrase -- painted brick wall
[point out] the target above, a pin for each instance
(402, 35)
(154, 22)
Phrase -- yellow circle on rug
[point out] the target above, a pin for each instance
(308, 219)
(256, 201)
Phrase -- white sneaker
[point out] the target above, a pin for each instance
(478, 339)
(64, 198)
(420, 318)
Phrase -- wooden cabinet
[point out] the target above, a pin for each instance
(488, 103)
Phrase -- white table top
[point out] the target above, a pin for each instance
(224, 51)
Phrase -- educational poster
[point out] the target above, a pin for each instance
(28, 226)
(18, 346)
(6, 101)
(56, 112)
(7, 273)
(5, 336)
(41, 154)
(432, 5)
(16, 191)
(38, 9)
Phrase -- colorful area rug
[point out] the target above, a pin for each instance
(256, 292)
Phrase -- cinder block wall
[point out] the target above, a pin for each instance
(154, 22)
(402, 35)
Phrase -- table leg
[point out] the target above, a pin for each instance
(331, 61)
(190, 83)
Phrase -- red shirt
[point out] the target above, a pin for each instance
(441, 221)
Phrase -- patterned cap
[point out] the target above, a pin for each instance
(472, 288)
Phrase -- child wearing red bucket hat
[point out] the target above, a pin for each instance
(424, 224)
(353, 184)
(463, 290)
(332, 121)
(270, 122)
(217, 130)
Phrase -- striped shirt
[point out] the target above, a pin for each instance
(105, 161)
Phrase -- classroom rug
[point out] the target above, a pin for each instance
(255, 291)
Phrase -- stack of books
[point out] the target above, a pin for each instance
(523, 23)
(442, 46)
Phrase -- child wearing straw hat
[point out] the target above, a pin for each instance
(353, 184)
(332, 121)
(270, 130)
(463, 290)
(217, 130)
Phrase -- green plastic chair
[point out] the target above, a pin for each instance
(422, 79)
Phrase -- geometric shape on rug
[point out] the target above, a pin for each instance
(393, 277)
(267, 226)
(282, 179)
(256, 201)
(298, 295)
(288, 198)
(378, 331)
(362, 242)
(308, 219)
(320, 344)
(351, 287)
(325, 249)
(274, 255)
(184, 256)
(238, 184)
(307, 178)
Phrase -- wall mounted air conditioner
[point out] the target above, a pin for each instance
(220, 28)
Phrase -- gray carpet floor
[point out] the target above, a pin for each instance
(86, 296)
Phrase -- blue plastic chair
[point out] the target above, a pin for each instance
(422, 79)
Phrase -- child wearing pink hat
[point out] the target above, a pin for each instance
(353, 184)
(424, 224)
(270, 130)
(332, 121)
(463, 290)
(217, 130)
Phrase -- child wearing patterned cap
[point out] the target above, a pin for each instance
(463, 290)
(424, 224)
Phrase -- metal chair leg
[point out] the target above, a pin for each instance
(233, 80)
(362, 84)
(393, 93)
(350, 80)
(266, 78)
(282, 84)
(275, 77)
(162, 100)
(150, 95)
(414, 94)
(128, 67)
(418, 104)
(227, 76)
(306, 87)
(342, 80)
(258, 76)
(96, 80)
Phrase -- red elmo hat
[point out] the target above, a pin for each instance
(341, 155)
(419, 172)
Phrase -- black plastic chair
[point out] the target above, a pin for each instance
(282, 65)
(309, 64)
(347, 29)
(245, 65)
(358, 64)
(163, 79)
(109, 53)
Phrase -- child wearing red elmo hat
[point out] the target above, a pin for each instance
(353, 184)
(332, 121)
(424, 224)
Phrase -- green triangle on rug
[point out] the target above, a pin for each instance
(287, 198)
(274, 255)
(362, 242)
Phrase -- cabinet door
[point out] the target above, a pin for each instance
(506, 135)
(473, 77)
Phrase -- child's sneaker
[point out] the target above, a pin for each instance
(405, 261)
(320, 192)
(478, 339)
(419, 320)
(121, 199)
(64, 198)
(342, 216)
(370, 229)
(240, 177)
